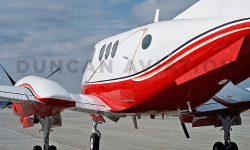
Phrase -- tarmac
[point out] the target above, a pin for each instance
(152, 134)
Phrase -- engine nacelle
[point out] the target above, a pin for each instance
(47, 91)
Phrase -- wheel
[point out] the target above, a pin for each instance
(37, 148)
(219, 146)
(94, 142)
(52, 147)
(233, 146)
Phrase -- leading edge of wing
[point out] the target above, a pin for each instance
(233, 96)
(93, 104)
(83, 103)
(230, 99)
(16, 94)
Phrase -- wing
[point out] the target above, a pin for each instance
(89, 104)
(230, 101)
(216, 8)
(83, 103)
(16, 94)
(35, 89)
(233, 96)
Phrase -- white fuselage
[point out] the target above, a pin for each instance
(131, 60)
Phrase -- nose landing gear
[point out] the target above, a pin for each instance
(227, 123)
(95, 136)
(46, 128)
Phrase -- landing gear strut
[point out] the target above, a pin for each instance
(46, 128)
(227, 122)
(96, 136)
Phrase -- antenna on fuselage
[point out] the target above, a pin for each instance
(53, 73)
(157, 15)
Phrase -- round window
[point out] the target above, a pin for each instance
(146, 41)
(92, 56)
(102, 52)
(108, 51)
(114, 49)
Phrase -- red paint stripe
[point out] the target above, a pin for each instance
(238, 26)
(53, 101)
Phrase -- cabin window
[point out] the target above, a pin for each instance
(92, 56)
(102, 52)
(108, 51)
(146, 41)
(114, 49)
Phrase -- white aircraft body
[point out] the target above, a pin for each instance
(188, 67)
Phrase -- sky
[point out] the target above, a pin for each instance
(37, 37)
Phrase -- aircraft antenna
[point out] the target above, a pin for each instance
(185, 129)
(157, 15)
(53, 73)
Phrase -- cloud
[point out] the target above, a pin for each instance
(66, 30)
(41, 15)
(116, 2)
(11, 37)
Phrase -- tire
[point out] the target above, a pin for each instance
(94, 142)
(52, 147)
(37, 148)
(219, 146)
(234, 146)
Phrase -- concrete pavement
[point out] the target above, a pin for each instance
(152, 134)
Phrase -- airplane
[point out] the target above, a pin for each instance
(187, 67)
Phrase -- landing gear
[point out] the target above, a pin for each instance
(234, 146)
(219, 146)
(96, 136)
(37, 148)
(227, 122)
(46, 128)
(94, 142)
(52, 148)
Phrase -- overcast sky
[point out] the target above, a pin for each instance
(66, 31)
(63, 30)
